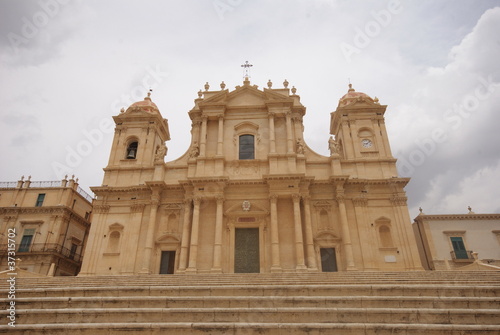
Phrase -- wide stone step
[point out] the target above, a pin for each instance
(450, 278)
(228, 328)
(260, 315)
(264, 290)
(252, 302)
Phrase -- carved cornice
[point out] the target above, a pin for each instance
(446, 217)
(65, 212)
(105, 189)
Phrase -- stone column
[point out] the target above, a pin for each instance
(131, 239)
(220, 137)
(346, 235)
(289, 139)
(311, 254)
(148, 249)
(186, 227)
(275, 242)
(299, 241)
(203, 136)
(272, 135)
(193, 250)
(218, 235)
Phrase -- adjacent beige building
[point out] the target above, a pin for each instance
(249, 195)
(456, 241)
(45, 225)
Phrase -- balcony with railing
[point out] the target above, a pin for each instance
(43, 249)
(462, 256)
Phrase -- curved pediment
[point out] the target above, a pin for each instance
(326, 237)
(168, 238)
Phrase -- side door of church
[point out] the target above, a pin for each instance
(328, 260)
(167, 262)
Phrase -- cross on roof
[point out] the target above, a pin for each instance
(247, 66)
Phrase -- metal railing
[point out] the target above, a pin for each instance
(8, 184)
(462, 255)
(84, 194)
(47, 183)
(38, 248)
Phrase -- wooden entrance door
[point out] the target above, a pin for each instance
(246, 250)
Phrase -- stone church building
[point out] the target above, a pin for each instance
(249, 195)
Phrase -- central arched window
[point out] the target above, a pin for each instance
(247, 147)
(132, 150)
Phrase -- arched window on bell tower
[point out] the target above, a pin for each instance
(132, 150)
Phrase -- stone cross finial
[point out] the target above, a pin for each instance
(247, 67)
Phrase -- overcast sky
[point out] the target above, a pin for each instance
(66, 67)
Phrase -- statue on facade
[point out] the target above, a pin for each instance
(300, 147)
(195, 151)
(161, 152)
(333, 146)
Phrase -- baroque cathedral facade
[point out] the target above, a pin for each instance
(249, 195)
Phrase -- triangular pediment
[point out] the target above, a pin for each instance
(246, 95)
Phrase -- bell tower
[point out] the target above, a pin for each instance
(139, 140)
(359, 128)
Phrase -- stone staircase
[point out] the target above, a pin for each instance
(287, 303)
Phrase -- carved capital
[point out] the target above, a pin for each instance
(137, 208)
(273, 198)
(296, 197)
(399, 200)
(360, 201)
(220, 199)
(155, 199)
(101, 209)
(197, 201)
(340, 198)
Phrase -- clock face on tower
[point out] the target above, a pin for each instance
(366, 143)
